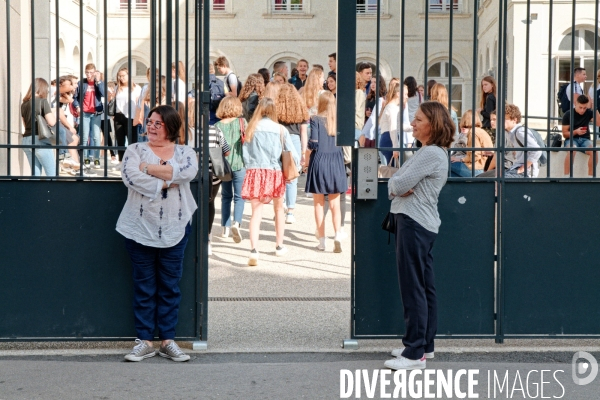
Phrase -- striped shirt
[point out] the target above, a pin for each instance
(216, 138)
(425, 173)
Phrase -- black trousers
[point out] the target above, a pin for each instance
(415, 274)
(121, 127)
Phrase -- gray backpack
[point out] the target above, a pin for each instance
(543, 158)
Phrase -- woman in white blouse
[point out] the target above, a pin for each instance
(178, 75)
(156, 222)
(389, 122)
(126, 103)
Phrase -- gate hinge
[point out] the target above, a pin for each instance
(495, 316)
(206, 97)
(201, 305)
(495, 257)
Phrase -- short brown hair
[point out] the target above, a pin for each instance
(90, 66)
(442, 126)
(230, 107)
(171, 119)
(304, 61)
(512, 112)
(222, 62)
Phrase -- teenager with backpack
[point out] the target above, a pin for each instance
(232, 83)
(217, 93)
(594, 93)
(564, 93)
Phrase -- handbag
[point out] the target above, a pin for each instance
(242, 130)
(288, 164)
(387, 171)
(221, 167)
(112, 108)
(556, 139)
(389, 225)
(44, 131)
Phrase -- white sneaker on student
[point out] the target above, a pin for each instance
(281, 251)
(398, 353)
(225, 233)
(342, 235)
(289, 218)
(337, 244)
(253, 259)
(405, 363)
(322, 244)
(235, 232)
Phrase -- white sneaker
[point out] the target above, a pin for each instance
(209, 249)
(322, 244)
(114, 161)
(289, 218)
(225, 233)
(253, 259)
(342, 235)
(235, 232)
(405, 363)
(337, 245)
(281, 251)
(398, 353)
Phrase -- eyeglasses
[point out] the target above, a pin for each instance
(155, 124)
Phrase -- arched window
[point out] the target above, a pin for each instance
(289, 61)
(62, 54)
(76, 59)
(137, 73)
(90, 58)
(583, 54)
(440, 71)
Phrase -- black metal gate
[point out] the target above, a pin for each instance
(514, 258)
(66, 274)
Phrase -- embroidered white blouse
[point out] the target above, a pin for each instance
(153, 216)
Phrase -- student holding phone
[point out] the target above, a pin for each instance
(582, 116)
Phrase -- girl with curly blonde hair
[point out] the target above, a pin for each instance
(293, 115)
(250, 94)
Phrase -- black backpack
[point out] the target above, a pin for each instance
(217, 92)
(563, 100)
(239, 85)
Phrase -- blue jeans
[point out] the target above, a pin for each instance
(385, 140)
(291, 189)
(232, 190)
(578, 142)
(44, 158)
(90, 128)
(460, 170)
(156, 294)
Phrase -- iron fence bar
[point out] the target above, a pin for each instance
(425, 85)
(526, 107)
(80, 85)
(402, 51)
(160, 46)
(57, 82)
(474, 79)
(8, 89)
(377, 66)
(169, 52)
(206, 183)
(572, 85)
(153, 77)
(129, 76)
(500, 143)
(105, 122)
(33, 91)
(187, 69)
(595, 87)
(550, 83)
(177, 77)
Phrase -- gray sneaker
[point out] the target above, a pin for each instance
(140, 351)
(172, 351)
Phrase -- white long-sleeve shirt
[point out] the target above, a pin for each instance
(153, 216)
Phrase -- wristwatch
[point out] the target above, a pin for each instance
(145, 169)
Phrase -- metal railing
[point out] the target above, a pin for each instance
(287, 6)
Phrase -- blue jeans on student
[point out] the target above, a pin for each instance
(90, 129)
(156, 294)
(232, 190)
(460, 170)
(44, 158)
(385, 140)
(579, 142)
(291, 189)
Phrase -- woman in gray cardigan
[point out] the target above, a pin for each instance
(414, 192)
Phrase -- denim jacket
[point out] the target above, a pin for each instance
(264, 150)
(99, 92)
